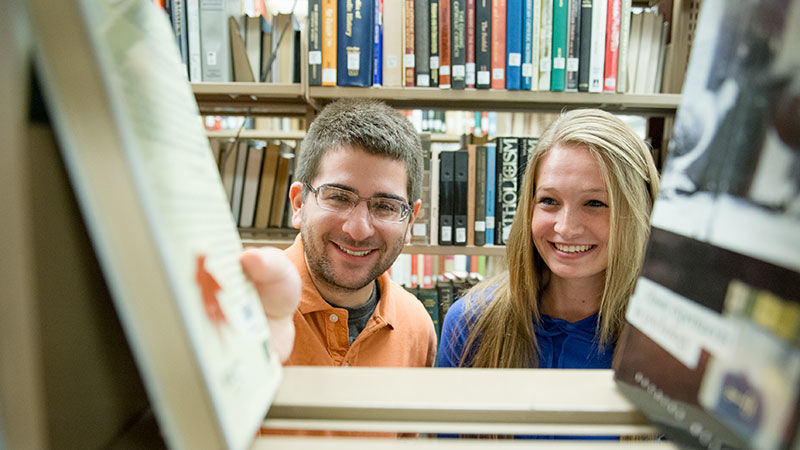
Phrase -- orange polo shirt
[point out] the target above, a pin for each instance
(400, 332)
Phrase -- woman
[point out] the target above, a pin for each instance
(573, 255)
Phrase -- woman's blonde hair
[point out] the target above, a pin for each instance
(503, 332)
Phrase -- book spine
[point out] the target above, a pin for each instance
(458, 57)
(419, 231)
(433, 238)
(573, 44)
(491, 171)
(598, 45)
(444, 44)
(526, 146)
(434, 40)
(377, 44)
(472, 154)
(513, 44)
(558, 73)
(430, 300)
(498, 44)
(480, 196)
(461, 196)
(314, 43)
(527, 45)
(546, 45)
(507, 177)
(355, 31)
(178, 17)
(408, 57)
(610, 66)
(535, 43)
(483, 44)
(422, 43)
(193, 40)
(392, 44)
(469, 65)
(624, 40)
(446, 197)
(215, 42)
(585, 46)
(329, 44)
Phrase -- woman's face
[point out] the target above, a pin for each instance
(571, 214)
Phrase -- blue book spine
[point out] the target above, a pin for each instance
(491, 160)
(527, 44)
(377, 51)
(355, 31)
(513, 44)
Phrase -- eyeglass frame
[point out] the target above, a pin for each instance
(408, 208)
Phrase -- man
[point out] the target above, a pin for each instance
(356, 196)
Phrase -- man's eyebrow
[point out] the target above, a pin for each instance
(379, 194)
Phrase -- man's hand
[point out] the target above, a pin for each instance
(278, 286)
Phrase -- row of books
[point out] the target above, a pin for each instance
(256, 176)
(235, 40)
(546, 45)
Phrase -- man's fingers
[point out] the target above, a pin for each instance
(275, 279)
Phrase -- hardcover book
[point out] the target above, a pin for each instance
(444, 44)
(408, 57)
(433, 35)
(393, 44)
(470, 36)
(558, 75)
(458, 42)
(546, 45)
(514, 15)
(446, 196)
(712, 356)
(314, 43)
(498, 26)
(585, 47)
(598, 45)
(573, 44)
(460, 196)
(483, 44)
(422, 43)
(507, 186)
(329, 45)
(610, 68)
(354, 47)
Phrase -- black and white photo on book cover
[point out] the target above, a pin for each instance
(712, 350)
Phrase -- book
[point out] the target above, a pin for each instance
(633, 49)
(458, 42)
(584, 48)
(460, 196)
(507, 186)
(178, 18)
(238, 179)
(265, 70)
(491, 183)
(558, 74)
(483, 44)
(573, 45)
(446, 197)
(498, 34)
(479, 193)
(392, 44)
(281, 191)
(646, 56)
(469, 43)
(624, 46)
(354, 46)
(242, 72)
(715, 318)
(170, 256)
(422, 43)
(377, 44)
(314, 42)
(444, 44)
(514, 16)
(546, 45)
(252, 43)
(329, 29)
(421, 228)
(433, 204)
(527, 45)
(444, 287)
(429, 296)
(193, 40)
(526, 147)
(215, 42)
(610, 66)
(472, 165)
(266, 186)
(252, 176)
(433, 36)
(284, 47)
(598, 45)
(408, 58)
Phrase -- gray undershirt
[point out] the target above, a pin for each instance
(358, 317)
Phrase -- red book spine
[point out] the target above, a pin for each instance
(470, 44)
(444, 44)
(408, 58)
(610, 66)
(498, 44)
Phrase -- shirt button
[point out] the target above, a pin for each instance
(334, 318)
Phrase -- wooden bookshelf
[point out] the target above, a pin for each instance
(274, 99)
(488, 250)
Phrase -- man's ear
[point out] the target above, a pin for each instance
(296, 199)
(414, 212)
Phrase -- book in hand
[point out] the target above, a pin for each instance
(712, 350)
(157, 214)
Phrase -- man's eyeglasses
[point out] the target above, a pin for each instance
(340, 200)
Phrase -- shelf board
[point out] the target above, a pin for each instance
(503, 100)
(258, 134)
(285, 99)
(489, 250)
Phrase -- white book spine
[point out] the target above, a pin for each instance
(598, 49)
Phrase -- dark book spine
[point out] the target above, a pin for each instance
(461, 179)
(483, 44)
(584, 47)
(527, 45)
(434, 40)
(458, 56)
(526, 146)
(314, 43)
(480, 195)
(430, 300)
(355, 32)
(445, 290)
(508, 184)
(446, 197)
(444, 44)
(469, 46)
(178, 16)
(573, 44)
(422, 43)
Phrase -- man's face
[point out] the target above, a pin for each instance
(348, 251)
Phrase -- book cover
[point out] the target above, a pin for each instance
(573, 45)
(422, 43)
(314, 42)
(610, 66)
(266, 186)
(377, 44)
(444, 44)
(393, 44)
(446, 293)
(429, 296)
(421, 228)
(491, 183)
(480, 196)
(408, 58)
(446, 196)
(460, 196)
(354, 47)
(434, 41)
(598, 45)
(215, 42)
(558, 74)
(507, 186)
(514, 15)
(712, 356)
(498, 57)
(483, 44)
(469, 47)
(585, 46)
(329, 29)
(458, 42)
(526, 147)
(546, 45)
(527, 45)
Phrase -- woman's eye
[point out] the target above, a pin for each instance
(546, 201)
(596, 204)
